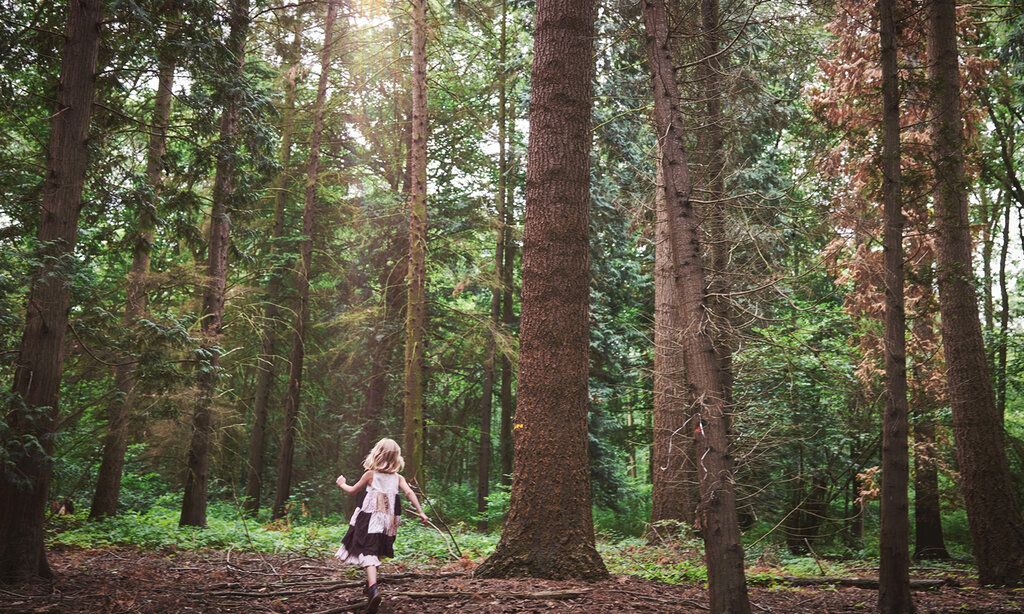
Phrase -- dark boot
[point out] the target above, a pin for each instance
(373, 599)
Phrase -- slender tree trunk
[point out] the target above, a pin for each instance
(32, 412)
(894, 561)
(506, 443)
(987, 246)
(928, 541)
(416, 304)
(271, 311)
(119, 412)
(674, 479)
(286, 453)
(723, 550)
(1004, 314)
(549, 531)
(487, 399)
(997, 529)
(193, 506)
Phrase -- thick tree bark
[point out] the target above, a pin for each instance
(121, 409)
(32, 414)
(286, 453)
(894, 547)
(713, 136)
(549, 531)
(272, 312)
(674, 478)
(723, 550)
(997, 529)
(193, 505)
(416, 304)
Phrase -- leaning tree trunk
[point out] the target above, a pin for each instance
(549, 531)
(997, 529)
(271, 312)
(32, 411)
(717, 511)
(894, 547)
(416, 304)
(193, 505)
(673, 493)
(119, 412)
(286, 454)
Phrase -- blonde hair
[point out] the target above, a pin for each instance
(385, 457)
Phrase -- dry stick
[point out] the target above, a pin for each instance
(437, 514)
(355, 605)
(869, 583)
(673, 601)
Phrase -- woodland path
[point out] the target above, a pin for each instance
(125, 580)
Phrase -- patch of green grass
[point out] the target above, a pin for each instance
(157, 529)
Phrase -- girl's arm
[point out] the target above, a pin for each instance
(358, 486)
(411, 496)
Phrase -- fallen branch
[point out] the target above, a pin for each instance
(491, 594)
(357, 605)
(669, 602)
(869, 583)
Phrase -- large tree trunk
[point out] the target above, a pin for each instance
(723, 550)
(713, 136)
(894, 547)
(271, 311)
(32, 413)
(997, 529)
(119, 412)
(193, 505)
(286, 454)
(549, 531)
(674, 478)
(416, 304)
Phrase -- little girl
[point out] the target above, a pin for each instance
(371, 532)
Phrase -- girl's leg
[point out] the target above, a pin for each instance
(371, 575)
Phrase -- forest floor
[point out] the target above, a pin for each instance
(125, 580)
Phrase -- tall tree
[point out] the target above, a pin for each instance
(271, 312)
(673, 479)
(119, 412)
(31, 417)
(997, 528)
(894, 565)
(193, 505)
(286, 453)
(928, 538)
(416, 303)
(497, 292)
(704, 373)
(549, 531)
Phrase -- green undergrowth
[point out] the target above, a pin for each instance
(672, 561)
(157, 529)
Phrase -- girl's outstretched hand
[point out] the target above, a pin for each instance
(424, 519)
(340, 481)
